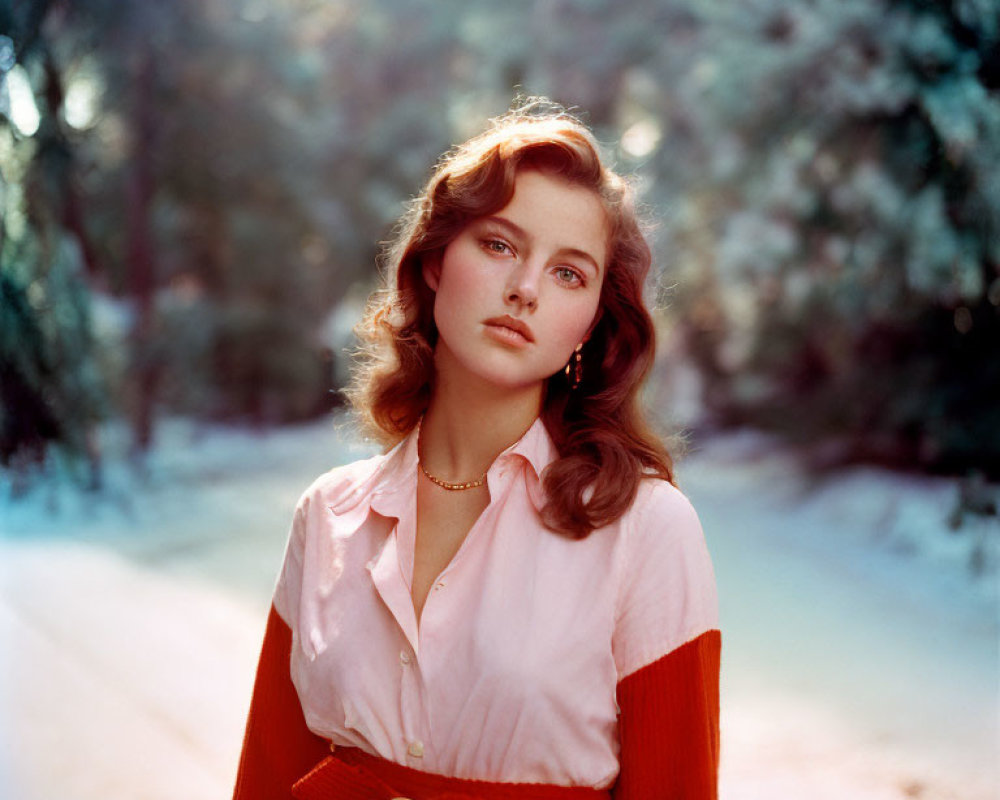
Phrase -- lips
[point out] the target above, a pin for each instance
(510, 323)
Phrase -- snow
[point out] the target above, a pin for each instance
(860, 655)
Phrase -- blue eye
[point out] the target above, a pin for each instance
(498, 246)
(569, 276)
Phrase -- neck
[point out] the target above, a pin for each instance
(468, 423)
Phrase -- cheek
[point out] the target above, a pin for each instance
(458, 296)
(458, 284)
(572, 326)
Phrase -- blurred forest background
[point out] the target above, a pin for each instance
(193, 194)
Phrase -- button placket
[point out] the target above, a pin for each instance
(410, 702)
(415, 748)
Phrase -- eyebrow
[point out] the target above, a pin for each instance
(522, 234)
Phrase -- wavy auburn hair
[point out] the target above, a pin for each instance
(604, 443)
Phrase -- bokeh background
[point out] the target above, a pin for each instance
(193, 196)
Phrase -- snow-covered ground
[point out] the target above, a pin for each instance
(860, 655)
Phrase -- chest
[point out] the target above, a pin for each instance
(443, 522)
(512, 659)
(505, 606)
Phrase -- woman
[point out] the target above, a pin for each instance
(515, 600)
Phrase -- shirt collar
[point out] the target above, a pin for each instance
(536, 447)
(393, 490)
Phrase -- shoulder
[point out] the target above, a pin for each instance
(342, 490)
(657, 495)
(343, 485)
(660, 516)
(666, 584)
(310, 550)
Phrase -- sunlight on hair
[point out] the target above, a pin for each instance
(23, 111)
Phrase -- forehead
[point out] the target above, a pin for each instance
(559, 215)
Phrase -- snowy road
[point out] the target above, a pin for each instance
(860, 660)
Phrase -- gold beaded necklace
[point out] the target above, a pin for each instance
(451, 487)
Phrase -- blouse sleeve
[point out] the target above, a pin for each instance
(667, 648)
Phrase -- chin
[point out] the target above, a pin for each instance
(506, 381)
(508, 384)
(495, 369)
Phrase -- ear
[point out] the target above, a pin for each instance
(430, 267)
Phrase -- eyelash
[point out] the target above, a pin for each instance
(580, 281)
(488, 245)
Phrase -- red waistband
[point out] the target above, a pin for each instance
(352, 774)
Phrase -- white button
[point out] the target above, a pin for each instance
(404, 657)
(439, 586)
(416, 749)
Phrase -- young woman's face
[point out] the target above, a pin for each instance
(516, 292)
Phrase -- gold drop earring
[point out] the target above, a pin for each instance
(576, 363)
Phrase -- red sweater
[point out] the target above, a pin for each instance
(668, 726)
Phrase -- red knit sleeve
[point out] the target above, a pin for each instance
(278, 748)
(669, 725)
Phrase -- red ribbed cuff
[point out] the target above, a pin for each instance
(669, 725)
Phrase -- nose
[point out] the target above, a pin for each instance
(522, 287)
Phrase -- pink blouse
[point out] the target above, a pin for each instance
(512, 673)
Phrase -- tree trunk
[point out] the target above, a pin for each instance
(141, 266)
